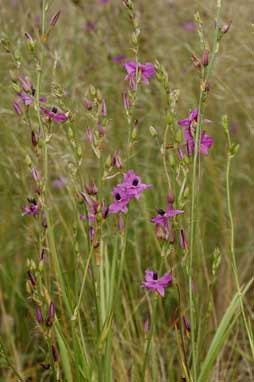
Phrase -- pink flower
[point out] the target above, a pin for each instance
(162, 220)
(146, 71)
(53, 114)
(205, 142)
(155, 283)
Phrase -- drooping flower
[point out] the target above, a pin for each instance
(31, 209)
(162, 220)
(155, 283)
(133, 185)
(193, 117)
(54, 115)
(133, 68)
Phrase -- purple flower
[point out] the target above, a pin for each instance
(162, 220)
(121, 199)
(189, 26)
(103, 108)
(146, 71)
(133, 185)
(119, 59)
(31, 209)
(130, 188)
(205, 142)
(60, 182)
(193, 117)
(155, 283)
(16, 107)
(39, 316)
(53, 114)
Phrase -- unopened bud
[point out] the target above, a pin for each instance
(91, 188)
(116, 161)
(39, 316)
(205, 58)
(103, 108)
(55, 18)
(170, 197)
(153, 131)
(225, 28)
(196, 61)
(54, 353)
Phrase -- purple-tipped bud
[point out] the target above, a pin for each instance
(170, 197)
(31, 278)
(42, 255)
(29, 37)
(116, 161)
(101, 129)
(91, 188)
(55, 353)
(103, 108)
(196, 61)
(17, 108)
(180, 153)
(52, 310)
(120, 223)
(88, 104)
(35, 174)
(39, 316)
(55, 18)
(26, 83)
(126, 101)
(104, 210)
(182, 239)
(34, 140)
(146, 325)
(186, 324)
(89, 135)
(225, 28)
(205, 58)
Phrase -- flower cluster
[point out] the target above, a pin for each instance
(130, 188)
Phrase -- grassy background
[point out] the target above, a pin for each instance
(75, 59)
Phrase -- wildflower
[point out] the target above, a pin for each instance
(146, 71)
(189, 26)
(121, 199)
(31, 209)
(51, 314)
(17, 108)
(33, 139)
(60, 182)
(31, 278)
(205, 142)
(53, 114)
(162, 220)
(91, 188)
(89, 135)
(36, 175)
(133, 185)
(88, 104)
(155, 283)
(119, 59)
(205, 58)
(126, 101)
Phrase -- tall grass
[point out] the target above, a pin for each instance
(72, 307)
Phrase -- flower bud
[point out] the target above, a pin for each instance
(31, 278)
(103, 108)
(126, 101)
(88, 104)
(205, 58)
(116, 161)
(54, 353)
(91, 188)
(153, 131)
(55, 18)
(170, 197)
(196, 61)
(39, 316)
(225, 28)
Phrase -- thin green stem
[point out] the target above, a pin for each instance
(193, 216)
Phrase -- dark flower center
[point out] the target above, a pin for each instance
(135, 182)
(161, 212)
(155, 276)
(118, 196)
(54, 109)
